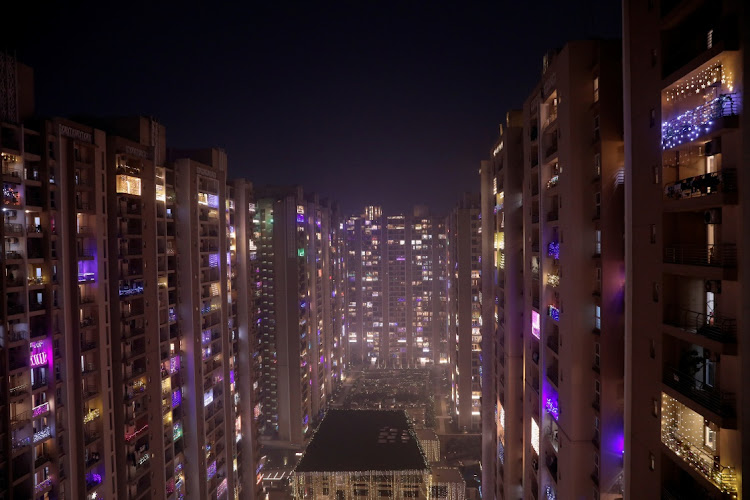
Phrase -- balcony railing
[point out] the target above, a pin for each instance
(699, 121)
(709, 397)
(712, 326)
(717, 255)
(702, 185)
(723, 477)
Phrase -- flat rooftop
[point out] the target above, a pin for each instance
(363, 440)
(446, 475)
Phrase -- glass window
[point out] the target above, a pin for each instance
(596, 89)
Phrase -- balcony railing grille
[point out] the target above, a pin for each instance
(717, 255)
(707, 396)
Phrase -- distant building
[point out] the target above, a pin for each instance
(396, 283)
(430, 442)
(362, 453)
(299, 311)
(447, 484)
(464, 312)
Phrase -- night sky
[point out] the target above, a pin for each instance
(384, 102)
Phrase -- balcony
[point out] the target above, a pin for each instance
(693, 124)
(697, 188)
(711, 326)
(712, 255)
(695, 457)
(711, 398)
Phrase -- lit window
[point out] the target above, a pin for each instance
(129, 185)
(596, 89)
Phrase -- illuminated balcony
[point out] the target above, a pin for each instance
(44, 486)
(693, 443)
(702, 120)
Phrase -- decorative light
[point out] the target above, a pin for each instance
(91, 415)
(535, 436)
(680, 434)
(702, 82)
(39, 410)
(174, 364)
(43, 485)
(698, 121)
(554, 313)
(535, 324)
(553, 280)
(211, 470)
(552, 408)
(129, 436)
(176, 398)
(208, 397)
(42, 435)
(553, 250)
(222, 488)
(553, 181)
(177, 431)
(213, 260)
(39, 355)
(550, 492)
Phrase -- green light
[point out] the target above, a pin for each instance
(300, 252)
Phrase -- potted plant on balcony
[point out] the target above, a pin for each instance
(691, 362)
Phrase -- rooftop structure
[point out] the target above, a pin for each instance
(343, 435)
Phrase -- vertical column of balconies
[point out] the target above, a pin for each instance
(699, 289)
(211, 327)
(305, 325)
(545, 328)
(535, 119)
(233, 302)
(170, 346)
(29, 304)
(134, 327)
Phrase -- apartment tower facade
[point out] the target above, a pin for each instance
(686, 135)
(464, 252)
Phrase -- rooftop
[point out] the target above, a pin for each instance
(446, 475)
(363, 440)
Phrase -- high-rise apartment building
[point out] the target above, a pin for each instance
(123, 287)
(502, 313)
(556, 307)
(686, 136)
(464, 252)
(298, 307)
(396, 281)
(247, 362)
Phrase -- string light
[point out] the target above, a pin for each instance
(697, 121)
(701, 82)
(682, 432)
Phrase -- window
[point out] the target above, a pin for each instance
(652, 461)
(596, 128)
(598, 242)
(598, 164)
(598, 319)
(597, 204)
(598, 288)
(655, 408)
(709, 437)
(596, 89)
(597, 357)
(652, 229)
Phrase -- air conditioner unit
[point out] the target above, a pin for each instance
(713, 147)
(713, 286)
(712, 216)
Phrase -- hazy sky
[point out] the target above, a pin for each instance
(381, 102)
